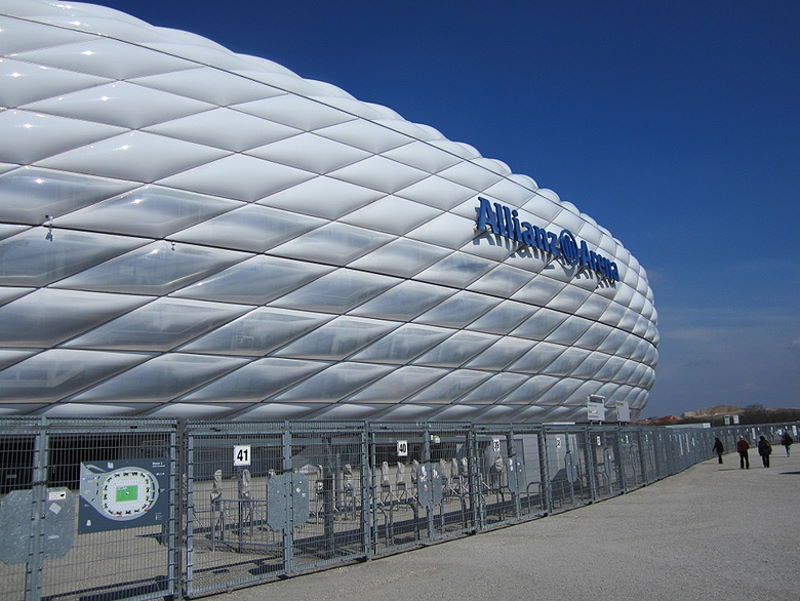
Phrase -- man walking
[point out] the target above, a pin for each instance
(744, 457)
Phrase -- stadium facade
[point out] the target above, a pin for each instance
(189, 232)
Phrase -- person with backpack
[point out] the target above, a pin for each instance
(786, 441)
(718, 448)
(765, 450)
(744, 457)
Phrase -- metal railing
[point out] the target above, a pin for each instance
(97, 510)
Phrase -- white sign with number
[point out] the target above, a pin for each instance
(241, 455)
(402, 448)
(496, 445)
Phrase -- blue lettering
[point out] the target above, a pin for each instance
(552, 244)
(486, 216)
(528, 235)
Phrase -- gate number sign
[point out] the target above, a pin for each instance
(241, 455)
(402, 448)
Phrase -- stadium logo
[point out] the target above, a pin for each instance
(505, 222)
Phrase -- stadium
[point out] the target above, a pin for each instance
(190, 232)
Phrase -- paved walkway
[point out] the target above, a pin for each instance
(714, 532)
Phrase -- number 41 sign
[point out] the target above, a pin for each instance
(241, 455)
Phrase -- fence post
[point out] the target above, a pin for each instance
(177, 537)
(288, 534)
(642, 442)
(366, 489)
(591, 464)
(544, 468)
(620, 460)
(33, 567)
(476, 498)
(512, 462)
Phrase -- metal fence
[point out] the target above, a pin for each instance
(96, 510)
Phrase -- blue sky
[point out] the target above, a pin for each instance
(673, 124)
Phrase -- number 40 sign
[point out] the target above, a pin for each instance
(241, 455)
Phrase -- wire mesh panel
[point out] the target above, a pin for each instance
(647, 446)
(397, 516)
(577, 444)
(333, 527)
(498, 466)
(122, 527)
(564, 479)
(19, 456)
(230, 539)
(451, 459)
(631, 460)
(528, 444)
(607, 476)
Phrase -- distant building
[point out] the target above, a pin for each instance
(188, 232)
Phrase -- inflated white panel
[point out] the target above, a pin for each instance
(190, 232)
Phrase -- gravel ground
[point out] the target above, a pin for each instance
(711, 533)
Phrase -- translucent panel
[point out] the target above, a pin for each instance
(337, 292)
(422, 156)
(159, 326)
(614, 341)
(381, 174)
(569, 331)
(11, 357)
(343, 411)
(458, 310)
(503, 318)
(323, 197)
(365, 135)
(335, 382)
(495, 389)
(28, 195)
(46, 317)
(540, 324)
(238, 176)
(593, 308)
(610, 369)
(80, 410)
(501, 281)
(31, 259)
(224, 128)
(392, 215)
(539, 291)
(337, 339)
(497, 357)
(470, 175)
(457, 270)
(567, 362)
(54, 374)
(334, 243)
(295, 111)
(274, 411)
(538, 358)
(510, 192)
(447, 230)
(136, 156)
(18, 35)
(591, 365)
(255, 281)
(456, 350)
(257, 333)
(150, 211)
(403, 345)
(405, 301)
(39, 136)
(310, 152)
(400, 257)
(451, 386)
(255, 381)
(437, 192)
(210, 85)
(542, 208)
(158, 268)
(9, 293)
(105, 58)
(161, 378)
(594, 336)
(397, 385)
(120, 103)
(560, 392)
(191, 411)
(569, 299)
(252, 227)
(21, 82)
(530, 391)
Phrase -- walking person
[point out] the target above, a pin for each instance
(786, 441)
(744, 457)
(765, 450)
(718, 448)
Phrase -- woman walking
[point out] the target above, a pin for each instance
(718, 448)
(764, 449)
